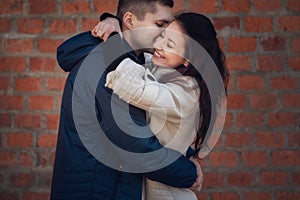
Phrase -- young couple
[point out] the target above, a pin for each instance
(170, 89)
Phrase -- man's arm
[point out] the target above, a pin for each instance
(73, 50)
(79, 46)
(166, 165)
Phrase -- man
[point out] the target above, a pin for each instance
(77, 173)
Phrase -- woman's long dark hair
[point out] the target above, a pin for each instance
(199, 28)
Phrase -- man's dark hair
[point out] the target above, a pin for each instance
(140, 7)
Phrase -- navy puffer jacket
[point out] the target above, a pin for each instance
(77, 173)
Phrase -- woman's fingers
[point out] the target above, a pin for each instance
(104, 28)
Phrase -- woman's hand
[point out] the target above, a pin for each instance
(198, 184)
(104, 28)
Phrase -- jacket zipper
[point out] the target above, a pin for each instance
(116, 184)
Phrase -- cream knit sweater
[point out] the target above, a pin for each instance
(173, 109)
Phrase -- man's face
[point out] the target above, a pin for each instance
(148, 29)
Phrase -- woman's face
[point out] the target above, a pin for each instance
(169, 47)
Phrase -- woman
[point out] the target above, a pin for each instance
(173, 91)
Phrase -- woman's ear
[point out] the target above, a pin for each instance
(186, 63)
(128, 20)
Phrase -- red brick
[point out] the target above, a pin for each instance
(294, 140)
(179, 5)
(263, 101)
(281, 195)
(19, 46)
(5, 25)
(225, 196)
(258, 24)
(105, 6)
(88, 24)
(296, 178)
(4, 83)
(60, 26)
(228, 120)
(296, 44)
(231, 85)
(257, 195)
(202, 196)
(42, 160)
(47, 140)
(267, 5)
(9, 196)
(286, 158)
(242, 44)
(42, 64)
(48, 45)
(239, 140)
(241, 179)
(255, 158)
(11, 6)
(42, 7)
(20, 140)
(204, 6)
(283, 82)
(236, 101)
(35, 195)
(236, 6)
(28, 84)
(15, 64)
(250, 82)
(273, 178)
(291, 100)
(21, 180)
(293, 5)
(56, 83)
(52, 158)
(294, 63)
(30, 25)
(270, 139)
(26, 160)
(225, 159)
(270, 63)
(249, 120)
(76, 7)
(289, 23)
(223, 22)
(11, 102)
(213, 180)
(282, 119)
(7, 158)
(238, 63)
(41, 102)
(52, 122)
(28, 121)
(273, 43)
(5, 120)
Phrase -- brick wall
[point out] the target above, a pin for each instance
(257, 156)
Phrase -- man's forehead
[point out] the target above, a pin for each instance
(163, 13)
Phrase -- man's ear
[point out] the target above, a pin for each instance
(128, 20)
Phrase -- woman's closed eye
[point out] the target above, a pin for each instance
(171, 44)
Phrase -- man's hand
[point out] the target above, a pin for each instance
(198, 184)
(104, 28)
